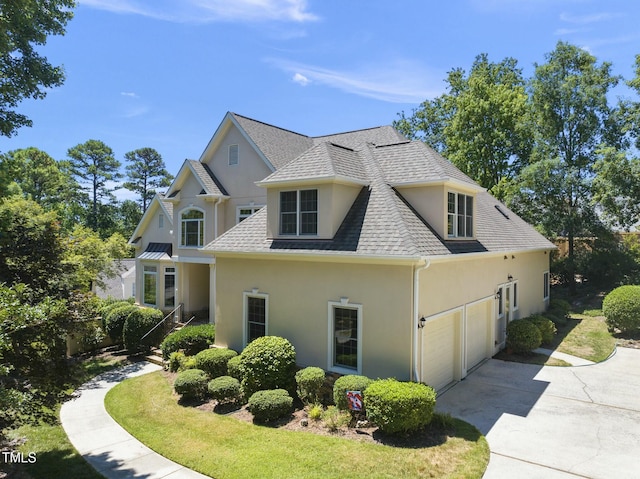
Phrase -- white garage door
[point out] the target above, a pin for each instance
(477, 334)
(439, 348)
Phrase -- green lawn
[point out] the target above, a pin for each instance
(587, 337)
(226, 448)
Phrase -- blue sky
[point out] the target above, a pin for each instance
(163, 73)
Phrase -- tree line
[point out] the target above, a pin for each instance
(553, 147)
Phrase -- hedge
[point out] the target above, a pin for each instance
(309, 381)
(350, 382)
(269, 405)
(268, 362)
(191, 384)
(523, 336)
(546, 327)
(399, 407)
(233, 368)
(225, 389)
(139, 323)
(213, 361)
(621, 309)
(114, 318)
(190, 339)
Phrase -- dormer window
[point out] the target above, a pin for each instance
(459, 215)
(299, 212)
(192, 228)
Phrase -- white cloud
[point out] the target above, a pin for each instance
(204, 11)
(401, 81)
(301, 79)
(588, 19)
(130, 94)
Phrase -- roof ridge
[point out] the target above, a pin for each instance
(351, 131)
(270, 125)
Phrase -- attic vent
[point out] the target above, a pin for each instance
(233, 155)
(501, 211)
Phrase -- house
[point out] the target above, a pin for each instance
(372, 254)
(120, 286)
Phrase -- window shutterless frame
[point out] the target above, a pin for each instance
(299, 212)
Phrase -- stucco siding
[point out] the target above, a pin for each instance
(299, 294)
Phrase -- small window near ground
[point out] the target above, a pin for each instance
(515, 300)
(545, 286)
(500, 302)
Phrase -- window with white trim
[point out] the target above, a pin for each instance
(345, 337)
(160, 220)
(234, 155)
(459, 215)
(500, 302)
(299, 212)
(169, 287)
(243, 212)
(192, 228)
(150, 283)
(256, 315)
(545, 286)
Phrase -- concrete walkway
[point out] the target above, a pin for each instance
(555, 422)
(574, 361)
(110, 449)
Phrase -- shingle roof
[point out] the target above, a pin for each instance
(380, 221)
(325, 160)
(211, 184)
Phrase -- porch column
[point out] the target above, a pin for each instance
(212, 292)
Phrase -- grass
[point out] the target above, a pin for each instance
(586, 337)
(226, 448)
(56, 458)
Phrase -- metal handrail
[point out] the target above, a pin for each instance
(162, 321)
(181, 325)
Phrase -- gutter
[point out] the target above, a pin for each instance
(415, 321)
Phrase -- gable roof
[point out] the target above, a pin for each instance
(158, 201)
(203, 175)
(380, 222)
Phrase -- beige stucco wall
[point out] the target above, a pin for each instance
(430, 202)
(446, 285)
(299, 295)
(334, 201)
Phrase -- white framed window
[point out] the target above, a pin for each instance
(243, 212)
(255, 307)
(192, 228)
(299, 212)
(500, 295)
(169, 287)
(234, 155)
(459, 215)
(515, 300)
(150, 283)
(345, 337)
(545, 286)
(160, 220)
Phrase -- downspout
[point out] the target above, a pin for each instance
(215, 217)
(415, 326)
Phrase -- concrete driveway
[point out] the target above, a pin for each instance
(554, 422)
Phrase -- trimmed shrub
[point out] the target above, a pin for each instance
(213, 361)
(398, 407)
(233, 368)
(139, 323)
(559, 307)
(350, 382)
(270, 404)
(546, 327)
(523, 336)
(268, 362)
(621, 309)
(225, 389)
(191, 384)
(115, 318)
(309, 381)
(190, 339)
(175, 361)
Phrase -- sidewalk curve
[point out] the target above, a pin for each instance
(111, 450)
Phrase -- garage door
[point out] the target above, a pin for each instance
(477, 334)
(439, 350)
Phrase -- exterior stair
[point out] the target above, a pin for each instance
(155, 356)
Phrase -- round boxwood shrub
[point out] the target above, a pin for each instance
(225, 389)
(270, 404)
(233, 368)
(546, 327)
(115, 317)
(268, 362)
(621, 309)
(399, 407)
(213, 361)
(309, 381)
(191, 384)
(523, 336)
(190, 339)
(139, 323)
(350, 382)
